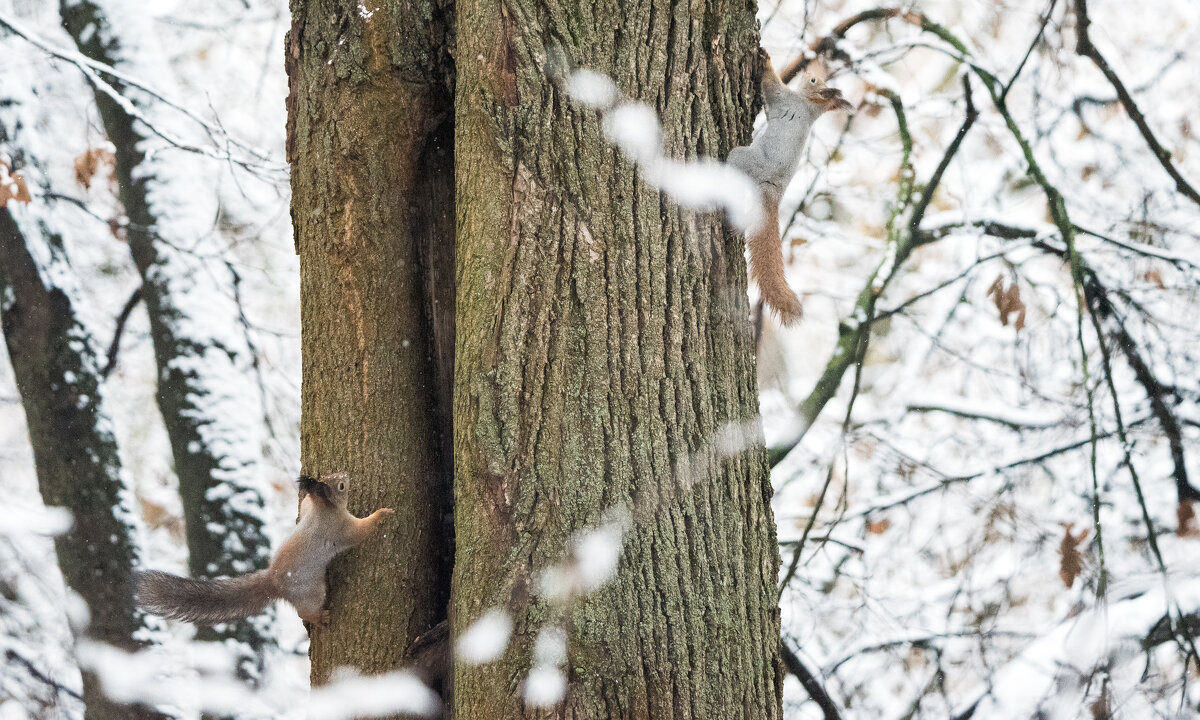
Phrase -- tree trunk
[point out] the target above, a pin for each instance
(206, 395)
(605, 360)
(74, 450)
(370, 142)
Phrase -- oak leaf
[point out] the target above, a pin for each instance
(878, 527)
(12, 186)
(1007, 302)
(89, 161)
(1071, 562)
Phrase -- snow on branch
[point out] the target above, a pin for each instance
(1108, 635)
(253, 159)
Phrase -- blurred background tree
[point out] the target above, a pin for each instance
(980, 434)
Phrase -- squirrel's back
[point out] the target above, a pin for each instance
(206, 601)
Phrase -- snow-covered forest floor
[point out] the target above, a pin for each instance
(998, 523)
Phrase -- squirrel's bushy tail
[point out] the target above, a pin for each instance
(204, 601)
(766, 264)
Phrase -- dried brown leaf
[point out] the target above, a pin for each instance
(158, 516)
(1186, 516)
(1008, 302)
(154, 514)
(1154, 276)
(1101, 707)
(879, 527)
(116, 226)
(89, 161)
(12, 186)
(1071, 563)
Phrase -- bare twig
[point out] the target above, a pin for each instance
(12, 656)
(925, 641)
(1037, 39)
(92, 70)
(896, 501)
(962, 412)
(1084, 46)
(114, 346)
(903, 238)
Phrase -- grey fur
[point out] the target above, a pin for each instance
(205, 601)
(773, 157)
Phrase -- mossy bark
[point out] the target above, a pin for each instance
(605, 359)
(73, 447)
(370, 142)
(224, 518)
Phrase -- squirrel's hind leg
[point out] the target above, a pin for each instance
(319, 619)
(310, 604)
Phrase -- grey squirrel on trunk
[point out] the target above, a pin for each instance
(296, 574)
(771, 160)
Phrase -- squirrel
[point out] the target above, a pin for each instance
(771, 160)
(296, 574)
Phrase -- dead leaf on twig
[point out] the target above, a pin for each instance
(12, 186)
(1071, 564)
(1008, 302)
(89, 161)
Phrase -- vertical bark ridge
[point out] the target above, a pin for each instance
(603, 348)
(370, 141)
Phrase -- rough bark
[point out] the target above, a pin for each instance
(205, 393)
(370, 142)
(604, 351)
(54, 363)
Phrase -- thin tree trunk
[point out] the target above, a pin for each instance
(54, 363)
(206, 395)
(370, 141)
(605, 360)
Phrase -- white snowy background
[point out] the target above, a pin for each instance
(929, 581)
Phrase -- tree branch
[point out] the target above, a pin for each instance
(92, 69)
(111, 358)
(1085, 48)
(903, 238)
(12, 656)
(816, 691)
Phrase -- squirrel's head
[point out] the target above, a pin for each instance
(332, 488)
(812, 85)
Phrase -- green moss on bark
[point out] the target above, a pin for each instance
(370, 140)
(603, 347)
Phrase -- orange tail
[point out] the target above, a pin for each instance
(766, 264)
